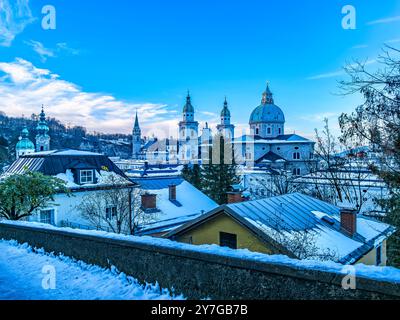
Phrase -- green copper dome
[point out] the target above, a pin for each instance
(225, 111)
(188, 108)
(42, 127)
(24, 143)
(267, 112)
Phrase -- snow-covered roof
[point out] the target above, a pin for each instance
(280, 218)
(64, 165)
(190, 202)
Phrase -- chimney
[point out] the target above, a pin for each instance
(234, 197)
(348, 220)
(149, 201)
(172, 192)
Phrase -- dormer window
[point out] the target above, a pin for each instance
(86, 176)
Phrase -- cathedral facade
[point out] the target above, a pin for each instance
(267, 145)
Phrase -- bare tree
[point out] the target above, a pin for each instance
(117, 208)
(274, 183)
(342, 173)
(303, 245)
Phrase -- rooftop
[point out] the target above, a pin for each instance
(190, 203)
(62, 163)
(297, 213)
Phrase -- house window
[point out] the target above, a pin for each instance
(86, 176)
(111, 212)
(47, 216)
(228, 240)
(256, 130)
(280, 130)
(296, 155)
(379, 255)
(269, 130)
(296, 171)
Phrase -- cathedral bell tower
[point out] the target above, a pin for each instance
(42, 136)
(188, 134)
(225, 127)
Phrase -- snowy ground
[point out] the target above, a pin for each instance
(22, 278)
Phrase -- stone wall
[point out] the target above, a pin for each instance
(196, 274)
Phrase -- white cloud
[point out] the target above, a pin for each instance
(384, 20)
(337, 73)
(63, 46)
(319, 117)
(24, 88)
(360, 46)
(41, 50)
(393, 40)
(45, 53)
(327, 75)
(15, 15)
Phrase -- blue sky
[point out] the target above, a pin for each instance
(108, 58)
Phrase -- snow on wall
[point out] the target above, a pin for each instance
(386, 274)
(75, 280)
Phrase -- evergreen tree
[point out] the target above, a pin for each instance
(377, 123)
(221, 171)
(3, 151)
(192, 174)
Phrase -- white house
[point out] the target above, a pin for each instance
(84, 173)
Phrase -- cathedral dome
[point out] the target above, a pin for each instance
(267, 112)
(24, 143)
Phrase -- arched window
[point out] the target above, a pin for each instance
(256, 130)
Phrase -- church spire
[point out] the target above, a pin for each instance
(136, 139)
(136, 121)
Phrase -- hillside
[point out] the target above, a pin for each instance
(62, 137)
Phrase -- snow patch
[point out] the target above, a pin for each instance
(74, 280)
